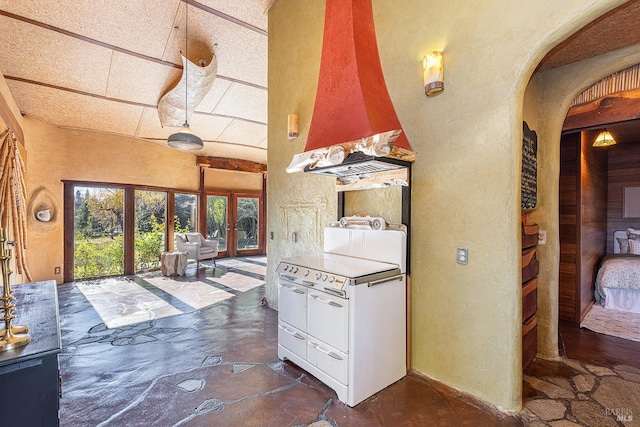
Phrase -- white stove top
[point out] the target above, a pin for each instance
(341, 265)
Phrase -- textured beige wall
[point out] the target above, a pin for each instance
(382, 202)
(217, 179)
(466, 179)
(64, 154)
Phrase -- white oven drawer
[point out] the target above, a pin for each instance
(292, 304)
(330, 360)
(292, 339)
(328, 319)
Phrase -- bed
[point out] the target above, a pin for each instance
(618, 280)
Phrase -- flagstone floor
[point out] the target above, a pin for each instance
(217, 365)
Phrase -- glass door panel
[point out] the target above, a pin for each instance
(150, 229)
(185, 208)
(247, 224)
(218, 220)
(98, 232)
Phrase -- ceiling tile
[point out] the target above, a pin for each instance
(206, 126)
(221, 149)
(128, 72)
(70, 109)
(142, 26)
(241, 53)
(48, 57)
(245, 133)
(244, 101)
(210, 101)
(252, 12)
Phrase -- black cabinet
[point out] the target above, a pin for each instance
(29, 375)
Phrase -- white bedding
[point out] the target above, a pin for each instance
(618, 282)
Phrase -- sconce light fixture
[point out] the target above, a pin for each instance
(433, 73)
(604, 139)
(292, 126)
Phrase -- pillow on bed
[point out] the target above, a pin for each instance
(624, 245)
(634, 247)
(633, 233)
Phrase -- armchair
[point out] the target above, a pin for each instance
(197, 247)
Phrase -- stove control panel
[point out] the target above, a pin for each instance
(312, 278)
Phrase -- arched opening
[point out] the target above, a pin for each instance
(603, 47)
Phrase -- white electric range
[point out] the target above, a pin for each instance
(342, 313)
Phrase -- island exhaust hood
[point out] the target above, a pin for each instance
(354, 128)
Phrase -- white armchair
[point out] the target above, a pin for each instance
(197, 247)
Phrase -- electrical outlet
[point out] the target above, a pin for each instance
(56, 270)
(294, 237)
(542, 237)
(462, 255)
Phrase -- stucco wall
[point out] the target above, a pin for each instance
(466, 178)
(218, 179)
(57, 154)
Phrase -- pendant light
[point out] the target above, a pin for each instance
(184, 139)
(604, 139)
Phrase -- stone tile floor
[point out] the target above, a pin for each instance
(218, 366)
(568, 392)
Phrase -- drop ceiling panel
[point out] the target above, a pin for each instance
(245, 133)
(69, 109)
(53, 58)
(205, 126)
(244, 101)
(210, 101)
(241, 53)
(219, 149)
(252, 12)
(142, 26)
(128, 72)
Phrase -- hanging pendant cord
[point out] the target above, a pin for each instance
(186, 63)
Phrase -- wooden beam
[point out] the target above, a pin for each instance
(617, 107)
(230, 164)
(10, 120)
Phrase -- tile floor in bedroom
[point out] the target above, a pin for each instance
(218, 366)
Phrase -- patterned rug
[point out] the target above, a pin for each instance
(622, 324)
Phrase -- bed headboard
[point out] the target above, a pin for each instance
(616, 245)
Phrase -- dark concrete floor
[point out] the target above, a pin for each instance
(218, 366)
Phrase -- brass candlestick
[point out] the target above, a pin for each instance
(12, 336)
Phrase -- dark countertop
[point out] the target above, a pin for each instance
(37, 307)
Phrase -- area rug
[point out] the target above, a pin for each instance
(622, 324)
(121, 302)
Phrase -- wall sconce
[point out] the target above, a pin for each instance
(433, 73)
(292, 126)
(604, 139)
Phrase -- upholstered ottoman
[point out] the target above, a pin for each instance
(173, 263)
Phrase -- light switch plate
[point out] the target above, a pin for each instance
(462, 256)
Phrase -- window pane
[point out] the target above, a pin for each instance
(150, 226)
(217, 218)
(247, 223)
(98, 232)
(186, 213)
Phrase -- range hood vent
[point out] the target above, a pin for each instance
(353, 113)
(358, 164)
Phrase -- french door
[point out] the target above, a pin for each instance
(236, 221)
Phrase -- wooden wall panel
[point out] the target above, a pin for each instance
(569, 149)
(624, 171)
(593, 220)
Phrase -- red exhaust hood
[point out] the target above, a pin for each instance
(353, 112)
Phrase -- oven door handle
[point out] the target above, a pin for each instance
(327, 301)
(327, 352)
(381, 281)
(292, 333)
(296, 290)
